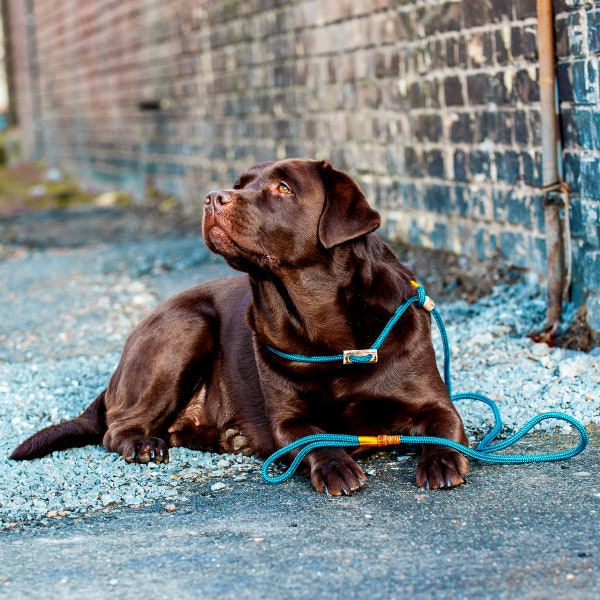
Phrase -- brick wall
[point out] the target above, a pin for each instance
(433, 105)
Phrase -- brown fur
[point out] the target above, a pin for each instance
(197, 373)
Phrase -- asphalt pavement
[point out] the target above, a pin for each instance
(528, 531)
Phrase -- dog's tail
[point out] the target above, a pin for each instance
(88, 428)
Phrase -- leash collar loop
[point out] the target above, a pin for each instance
(370, 355)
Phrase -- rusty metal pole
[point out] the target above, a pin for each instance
(550, 175)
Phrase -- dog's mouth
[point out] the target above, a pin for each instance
(221, 242)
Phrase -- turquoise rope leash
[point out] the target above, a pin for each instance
(485, 451)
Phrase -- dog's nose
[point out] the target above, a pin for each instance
(217, 199)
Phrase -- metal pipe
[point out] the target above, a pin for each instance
(550, 174)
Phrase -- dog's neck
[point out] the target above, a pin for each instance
(309, 301)
(316, 301)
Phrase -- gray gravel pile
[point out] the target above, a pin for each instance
(86, 480)
(50, 371)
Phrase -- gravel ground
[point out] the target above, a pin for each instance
(67, 306)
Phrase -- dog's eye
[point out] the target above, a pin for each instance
(283, 188)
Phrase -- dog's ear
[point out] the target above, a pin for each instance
(346, 214)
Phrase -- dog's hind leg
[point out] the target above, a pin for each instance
(164, 363)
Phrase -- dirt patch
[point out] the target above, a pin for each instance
(579, 335)
(31, 187)
(451, 277)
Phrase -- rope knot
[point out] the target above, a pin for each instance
(424, 300)
(422, 296)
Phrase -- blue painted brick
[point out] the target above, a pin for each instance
(481, 245)
(460, 165)
(507, 166)
(594, 30)
(411, 196)
(576, 217)
(591, 266)
(530, 169)
(463, 201)
(480, 163)
(438, 198)
(572, 171)
(518, 209)
(413, 162)
(537, 209)
(486, 243)
(479, 198)
(578, 287)
(499, 204)
(576, 37)
(463, 232)
(521, 127)
(590, 178)
(439, 236)
(512, 247)
(435, 163)
(585, 78)
(568, 127)
(537, 254)
(564, 75)
(590, 218)
(415, 234)
(493, 243)
(462, 128)
(596, 128)
(593, 310)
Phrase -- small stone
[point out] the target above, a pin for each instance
(170, 508)
(541, 349)
(217, 487)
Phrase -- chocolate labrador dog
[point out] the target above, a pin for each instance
(199, 371)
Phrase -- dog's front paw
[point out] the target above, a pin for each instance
(337, 475)
(144, 450)
(442, 469)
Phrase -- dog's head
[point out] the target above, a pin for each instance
(285, 213)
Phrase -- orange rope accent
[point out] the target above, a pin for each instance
(379, 440)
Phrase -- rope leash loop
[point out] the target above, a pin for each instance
(485, 451)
